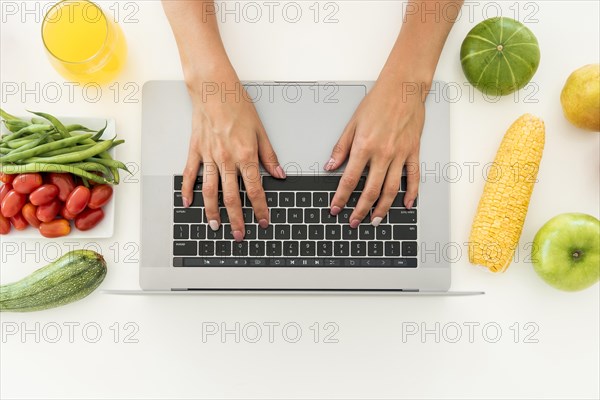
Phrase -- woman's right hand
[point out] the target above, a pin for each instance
(229, 140)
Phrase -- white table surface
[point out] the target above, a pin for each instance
(375, 355)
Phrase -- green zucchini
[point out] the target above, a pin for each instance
(70, 278)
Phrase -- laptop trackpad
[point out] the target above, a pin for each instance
(304, 120)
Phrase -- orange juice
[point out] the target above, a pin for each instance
(84, 44)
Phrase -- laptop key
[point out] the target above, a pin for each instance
(282, 232)
(214, 235)
(333, 232)
(405, 232)
(303, 199)
(353, 199)
(250, 232)
(320, 199)
(307, 249)
(392, 249)
(272, 198)
(344, 215)
(187, 248)
(327, 218)
(367, 232)
(400, 216)
(315, 232)
(206, 248)
(223, 248)
(399, 200)
(403, 184)
(256, 249)
(324, 249)
(181, 232)
(294, 215)
(273, 249)
(341, 249)
(224, 215)
(409, 248)
(286, 199)
(290, 249)
(299, 232)
(358, 249)
(349, 233)
(240, 249)
(248, 214)
(278, 215)
(198, 232)
(227, 232)
(375, 249)
(383, 232)
(177, 199)
(265, 234)
(312, 216)
(404, 262)
(187, 215)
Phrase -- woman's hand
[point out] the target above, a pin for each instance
(383, 134)
(229, 139)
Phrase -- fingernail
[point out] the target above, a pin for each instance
(280, 172)
(354, 223)
(238, 236)
(263, 223)
(376, 221)
(410, 204)
(186, 202)
(330, 164)
(335, 210)
(214, 224)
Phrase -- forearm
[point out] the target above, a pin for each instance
(203, 56)
(417, 50)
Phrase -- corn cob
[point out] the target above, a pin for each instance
(503, 206)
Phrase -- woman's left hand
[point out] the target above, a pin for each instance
(384, 134)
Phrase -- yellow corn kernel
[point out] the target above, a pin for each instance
(503, 206)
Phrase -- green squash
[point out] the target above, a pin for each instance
(499, 55)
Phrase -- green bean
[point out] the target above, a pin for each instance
(91, 166)
(41, 167)
(15, 125)
(109, 163)
(36, 120)
(66, 150)
(31, 144)
(28, 129)
(117, 143)
(6, 116)
(59, 144)
(4, 150)
(70, 157)
(55, 122)
(78, 128)
(98, 135)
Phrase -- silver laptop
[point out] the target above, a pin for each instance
(305, 248)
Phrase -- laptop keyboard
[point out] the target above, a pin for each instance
(302, 232)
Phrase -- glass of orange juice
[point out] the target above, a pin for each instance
(83, 44)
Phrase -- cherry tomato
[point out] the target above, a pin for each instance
(19, 222)
(64, 183)
(27, 183)
(78, 200)
(47, 212)
(56, 228)
(88, 219)
(12, 203)
(43, 195)
(4, 225)
(6, 178)
(4, 189)
(66, 214)
(101, 195)
(29, 213)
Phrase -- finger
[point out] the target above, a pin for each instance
(210, 192)
(390, 189)
(348, 183)
(370, 193)
(268, 157)
(342, 148)
(190, 173)
(251, 176)
(413, 176)
(232, 201)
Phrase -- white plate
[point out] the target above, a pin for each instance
(105, 228)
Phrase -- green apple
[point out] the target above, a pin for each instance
(566, 251)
